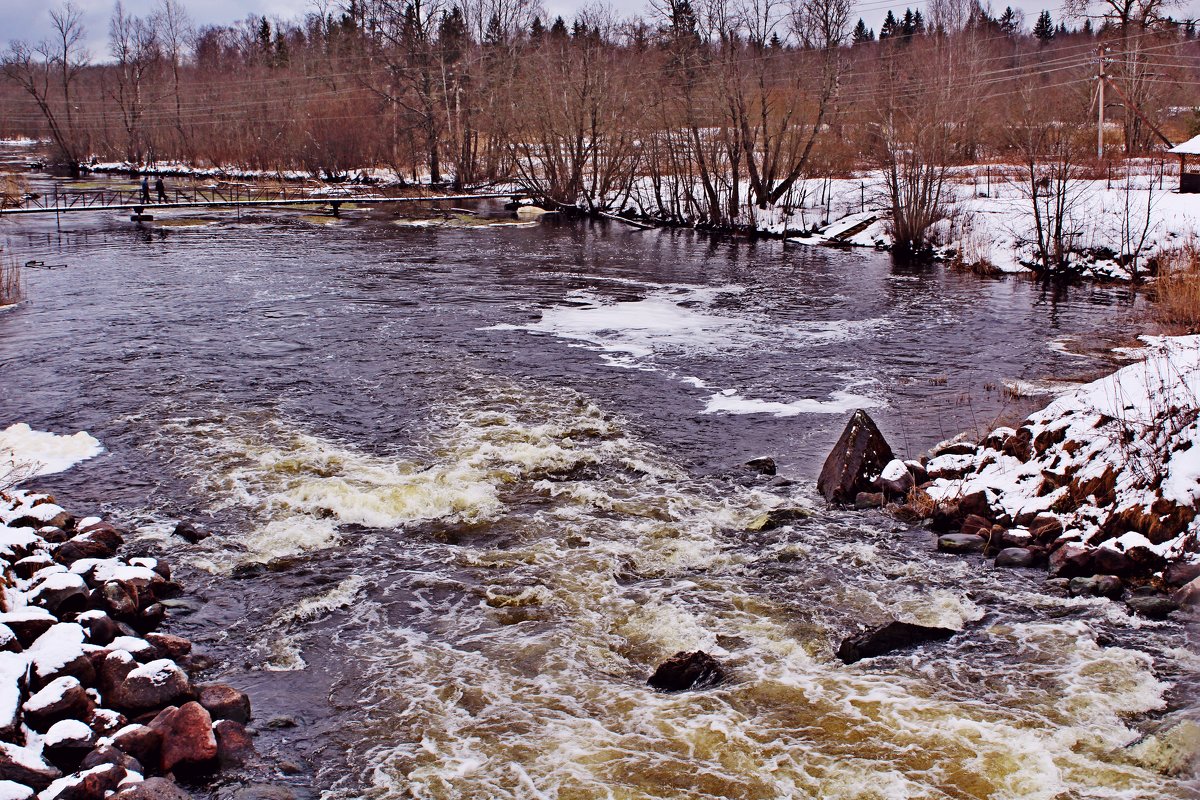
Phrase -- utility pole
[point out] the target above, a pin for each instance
(1100, 80)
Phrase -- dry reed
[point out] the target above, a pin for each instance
(11, 286)
(1177, 289)
(12, 190)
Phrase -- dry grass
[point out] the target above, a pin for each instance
(12, 190)
(1177, 289)
(11, 287)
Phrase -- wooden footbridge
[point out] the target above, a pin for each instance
(64, 200)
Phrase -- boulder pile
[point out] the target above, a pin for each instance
(94, 702)
(1101, 488)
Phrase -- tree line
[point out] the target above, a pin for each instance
(700, 112)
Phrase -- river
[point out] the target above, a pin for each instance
(469, 484)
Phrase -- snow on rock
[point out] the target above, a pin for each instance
(12, 679)
(1116, 462)
(25, 765)
(51, 694)
(65, 608)
(28, 453)
(68, 733)
(10, 790)
(138, 648)
(56, 649)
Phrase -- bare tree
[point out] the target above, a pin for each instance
(133, 43)
(174, 31)
(48, 73)
(1051, 180)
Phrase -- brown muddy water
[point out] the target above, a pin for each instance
(470, 484)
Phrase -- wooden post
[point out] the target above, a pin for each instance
(1100, 78)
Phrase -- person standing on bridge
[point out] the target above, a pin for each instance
(161, 189)
(146, 189)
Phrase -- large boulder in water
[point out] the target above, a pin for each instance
(687, 671)
(895, 635)
(855, 462)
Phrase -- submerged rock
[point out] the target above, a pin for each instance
(189, 532)
(682, 671)
(856, 461)
(1152, 606)
(961, 543)
(886, 638)
(764, 465)
(1018, 557)
(152, 789)
(1109, 586)
(777, 518)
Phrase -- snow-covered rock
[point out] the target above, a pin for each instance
(1116, 463)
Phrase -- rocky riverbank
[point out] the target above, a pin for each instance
(94, 701)
(1101, 487)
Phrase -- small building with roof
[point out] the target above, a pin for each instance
(1189, 181)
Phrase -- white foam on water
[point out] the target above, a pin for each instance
(26, 453)
(284, 650)
(669, 321)
(518, 670)
(731, 401)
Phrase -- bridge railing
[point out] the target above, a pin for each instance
(64, 198)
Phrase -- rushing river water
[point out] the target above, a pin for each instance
(470, 484)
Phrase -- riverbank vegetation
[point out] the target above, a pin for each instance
(11, 286)
(732, 114)
(1177, 290)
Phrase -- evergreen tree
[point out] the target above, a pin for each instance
(862, 34)
(494, 35)
(918, 23)
(536, 29)
(1061, 30)
(908, 27)
(452, 34)
(1087, 28)
(1008, 22)
(683, 20)
(349, 19)
(579, 30)
(559, 29)
(281, 55)
(890, 27)
(264, 36)
(1043, 31)
(775, 43)
(979, 19)
(1189, 29)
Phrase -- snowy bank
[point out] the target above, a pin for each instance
(989, 218)
(1103, 481)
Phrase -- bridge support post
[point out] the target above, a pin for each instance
(336, 206)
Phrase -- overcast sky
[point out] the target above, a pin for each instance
(29, 19)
